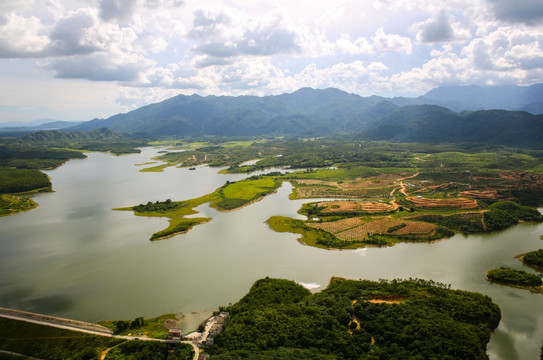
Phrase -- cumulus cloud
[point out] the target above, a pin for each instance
(117, 9)
(98, 67)
(75, 34)
(528, 12)
(391, 42)
(346, 45)
(355, 76)
(207, 24)
(22, 37)
(220, 37)
(507, 49)
(439, 29)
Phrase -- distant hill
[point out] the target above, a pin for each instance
(472, 97)
(40, 124)
(102, 139)
(310, 112)
(434, 124)
(305, 112)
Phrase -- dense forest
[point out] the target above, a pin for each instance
(534, 258)
(508, 276)
(413, 319)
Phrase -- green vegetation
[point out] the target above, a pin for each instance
(178, 227)
(103, 139)
(534, 258)
(148, 350)
(465, 222)
(152, 327)
(503, 214)
(13, 204)
(21, 180)
(447, 185)
(22, 156)
(159, 206)
(51, 343)
(517, 278)
(310, 236)
(234, 195)
(230, 196)
(412, 319)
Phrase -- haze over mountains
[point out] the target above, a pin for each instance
(434, 117)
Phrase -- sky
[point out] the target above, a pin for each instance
(85, 59)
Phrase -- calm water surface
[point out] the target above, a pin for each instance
(75, 257)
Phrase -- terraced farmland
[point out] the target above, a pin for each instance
(454, 203)
(356, 229)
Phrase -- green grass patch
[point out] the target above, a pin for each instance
(515, 278)
(178, 226)
(158, 168)
(10, 204)
(310, 236)
(152, 327)
(249, 189)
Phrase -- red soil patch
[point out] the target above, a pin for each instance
(351, 206)
(456, 203)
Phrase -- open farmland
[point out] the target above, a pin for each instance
(354, 206)
(349, 230)
(335, 227)
(358, 188)
(455, 203)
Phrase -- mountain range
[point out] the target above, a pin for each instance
(312, 112)
(445, 114)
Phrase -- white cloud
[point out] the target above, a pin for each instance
(117, 9)
(391, 42)
(99, 67)
(76, 33)
(354, 77)
(221, 37)
(153, 48)
(353, 47)
(507, 49)
(440, 28)
(528, 12)
(21, 37)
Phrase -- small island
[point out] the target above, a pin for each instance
(533, 259)
(231, 196)
(516, 278)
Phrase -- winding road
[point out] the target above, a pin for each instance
(79, 326)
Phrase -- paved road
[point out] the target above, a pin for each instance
(78, 326)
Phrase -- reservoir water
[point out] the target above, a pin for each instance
(75, 257)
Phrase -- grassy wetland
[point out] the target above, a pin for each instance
(231, 196)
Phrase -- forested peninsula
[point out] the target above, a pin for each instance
(350, 319)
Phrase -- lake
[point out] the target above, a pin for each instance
(75, 257)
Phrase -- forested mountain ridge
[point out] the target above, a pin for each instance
(304, 112)
(309, 112)
(434, 124)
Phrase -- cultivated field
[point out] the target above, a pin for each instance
(356, 229)
(454, 203)
(354, 206)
